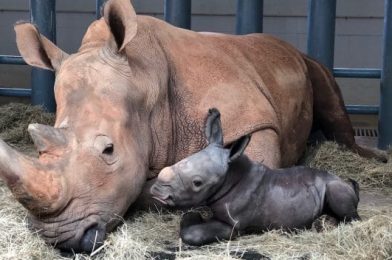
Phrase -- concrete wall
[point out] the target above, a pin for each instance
(359, 28)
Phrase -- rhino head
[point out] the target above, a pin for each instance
(198, 177)
(93, 163)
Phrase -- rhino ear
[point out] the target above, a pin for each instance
(238, 147)
(121, 19)
(36, 49)
(213, 129)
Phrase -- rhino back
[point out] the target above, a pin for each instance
(246, 78)
(268, 199)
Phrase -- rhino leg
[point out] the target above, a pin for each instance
(330, 114)
(341, 201)
(264, 147)
(190, 218)
(205, 232)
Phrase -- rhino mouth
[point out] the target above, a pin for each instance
(166, 200)
(80, 234)
(161, 200)
(161, 196)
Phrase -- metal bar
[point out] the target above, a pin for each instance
(178, 13)
(12, 60)
(98, 7)
(249, 16)
(15, 92)
(321, 30)
(362, 110)
(43, 14)
(385, 118)
(357, 73)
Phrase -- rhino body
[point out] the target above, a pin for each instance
(247, 197)
(132, 101)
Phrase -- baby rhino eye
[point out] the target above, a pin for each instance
(197, 183)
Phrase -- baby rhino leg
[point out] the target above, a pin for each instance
(194, 231)
(342, 201)
(189, 219)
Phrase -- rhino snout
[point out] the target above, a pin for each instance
(162, 194)
(92, 239)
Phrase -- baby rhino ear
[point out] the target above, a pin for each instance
(238, 147)
(213, 129)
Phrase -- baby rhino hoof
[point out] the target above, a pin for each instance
(192, 236)
(190, 218)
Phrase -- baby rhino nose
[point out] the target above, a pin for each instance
(92, 239)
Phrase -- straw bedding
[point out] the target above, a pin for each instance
(155, 235)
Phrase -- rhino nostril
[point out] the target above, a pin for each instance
(92, 239)
(155, 189)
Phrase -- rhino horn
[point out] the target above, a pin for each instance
(35, 186)
(46, 137)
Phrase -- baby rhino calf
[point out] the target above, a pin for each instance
(245, 196)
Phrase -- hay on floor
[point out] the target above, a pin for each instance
(369, 173)
(150, 235)
(153, 235)
(15, 118)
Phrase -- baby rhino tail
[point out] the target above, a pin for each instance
(355, 187)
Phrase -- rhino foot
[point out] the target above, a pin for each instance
(371, 153)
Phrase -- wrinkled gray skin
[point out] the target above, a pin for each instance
(248, 197)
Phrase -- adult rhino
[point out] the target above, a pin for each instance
(132, 100)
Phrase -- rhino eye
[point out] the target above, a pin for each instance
(197, 183)
(108, 149)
